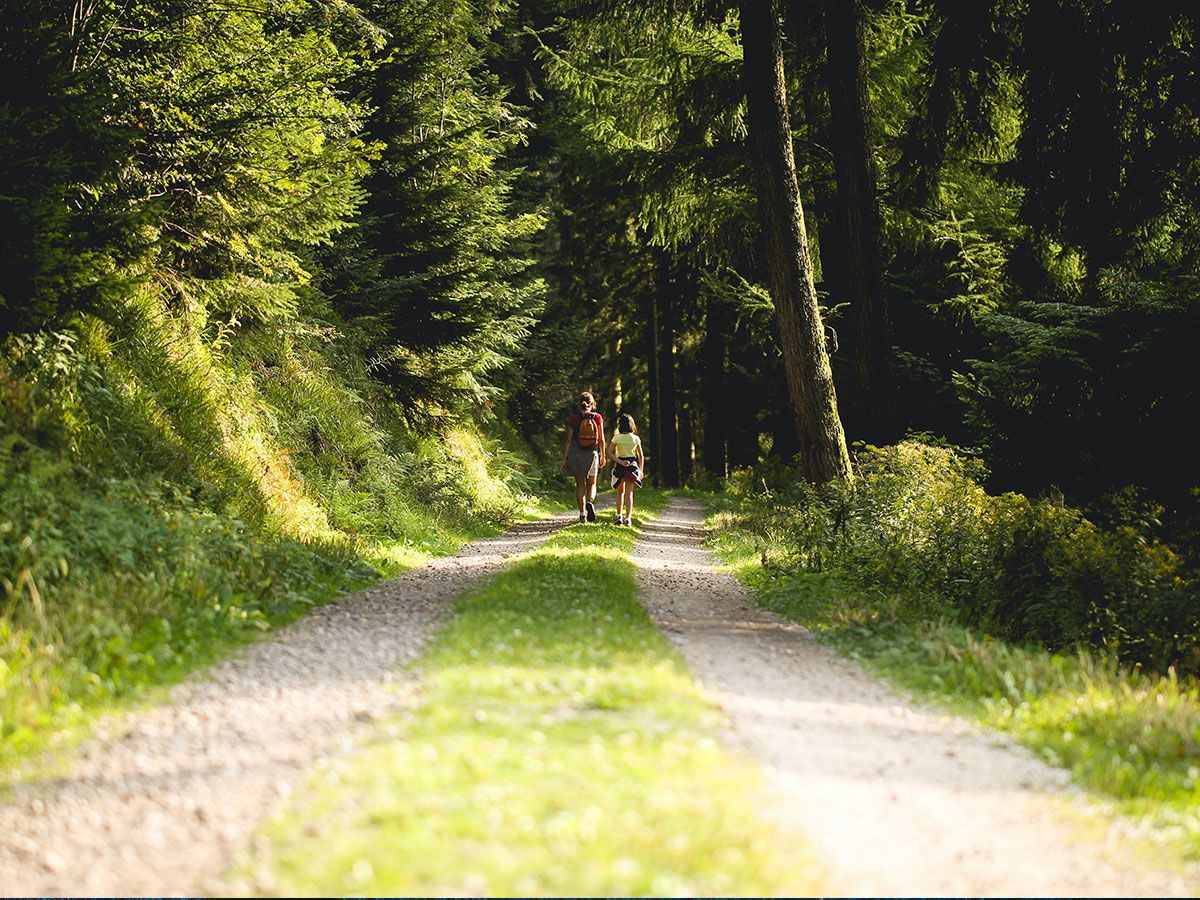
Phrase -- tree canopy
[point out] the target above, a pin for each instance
(495, 203)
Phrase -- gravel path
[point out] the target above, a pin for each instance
(159, 802)
(893, 799)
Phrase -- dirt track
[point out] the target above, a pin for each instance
(893, 799)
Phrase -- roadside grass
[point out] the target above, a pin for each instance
(1130, 738)
(166, 499)
(110, 641)
(558, 747)
(119, 640)
(130, 638)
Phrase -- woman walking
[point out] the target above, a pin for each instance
(581, 453)
(628, 461)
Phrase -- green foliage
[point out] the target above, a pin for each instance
(1111, 131)
(438, 269)
(166, 497)
(646, 118)
(225, 226)
(552, 701)
(113, 584)
(1020, 178)
(1090, 395)
(61, 244)
(245, 151)
(195, 444)
(657, 93)
(200, 149)
(915, 537)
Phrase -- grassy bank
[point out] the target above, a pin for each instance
(168, 492)
(1130, 738)
(559, 747)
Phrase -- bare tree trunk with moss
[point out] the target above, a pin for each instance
(823, 455)
(871, 407)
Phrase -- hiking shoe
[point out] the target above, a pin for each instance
(582, 517)
(591, 512)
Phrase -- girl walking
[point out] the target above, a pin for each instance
(628, 461)
(581, 453)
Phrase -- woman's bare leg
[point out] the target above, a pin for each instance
(580, 489)
(591, 488)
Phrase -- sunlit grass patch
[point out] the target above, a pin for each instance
(559, 747)
(1130, 738)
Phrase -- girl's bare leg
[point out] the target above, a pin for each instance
(629, 501)
(622, 489)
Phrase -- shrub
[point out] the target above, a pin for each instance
(918, 536)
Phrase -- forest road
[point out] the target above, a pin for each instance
(893, 799)
(160, 800)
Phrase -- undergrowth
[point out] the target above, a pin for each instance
(918, 534)
(559, 746)
(170, 488)
(1126, 734)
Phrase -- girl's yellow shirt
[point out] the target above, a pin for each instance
(626, 444)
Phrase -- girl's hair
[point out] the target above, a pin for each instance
(586, 400)
(625, 424)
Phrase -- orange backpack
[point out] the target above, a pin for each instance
(588, 433)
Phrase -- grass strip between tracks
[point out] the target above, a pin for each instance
(559, 746)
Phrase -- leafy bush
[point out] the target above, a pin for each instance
(919, 537)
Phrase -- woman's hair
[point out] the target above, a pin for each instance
(625, 424)
(586, 401)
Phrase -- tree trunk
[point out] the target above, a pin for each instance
(741, 417)
(872, 402)
(712, 388)
(687, 450)
(823, 455)
(667, 428)
(655, 435)
(618, 385)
